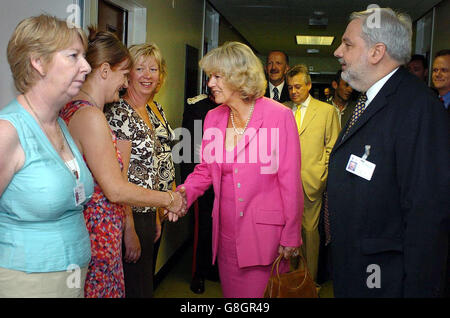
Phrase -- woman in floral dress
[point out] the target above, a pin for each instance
(104, 214)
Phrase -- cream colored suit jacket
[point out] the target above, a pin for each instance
(318, 133)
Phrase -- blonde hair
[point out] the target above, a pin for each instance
(42, 36)
(150, 50)
(241, 68)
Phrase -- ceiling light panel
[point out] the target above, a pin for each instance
(314, 40)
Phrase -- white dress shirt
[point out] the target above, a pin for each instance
(303, 108)
(375, 88)
(279, 87)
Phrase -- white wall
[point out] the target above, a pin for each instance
(11, 13)
(172, 25)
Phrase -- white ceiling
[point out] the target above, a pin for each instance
(273, 24)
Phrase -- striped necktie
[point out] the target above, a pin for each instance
(357, 112)
(275, 94)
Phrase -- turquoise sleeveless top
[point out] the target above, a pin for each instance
(41, 227)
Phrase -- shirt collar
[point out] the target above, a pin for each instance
(446, 99)
(279, 87)
(304, 104)
(375, 88)
(337, 107)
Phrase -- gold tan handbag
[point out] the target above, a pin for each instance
(294, 284)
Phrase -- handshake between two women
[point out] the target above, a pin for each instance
(178, 206)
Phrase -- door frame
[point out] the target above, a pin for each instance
(137, 18)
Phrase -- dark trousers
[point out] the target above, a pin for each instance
(139, 275)
(156, 247)
(203, 249)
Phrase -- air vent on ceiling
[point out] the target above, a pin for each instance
(318, 18)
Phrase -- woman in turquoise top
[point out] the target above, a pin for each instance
(44, 182)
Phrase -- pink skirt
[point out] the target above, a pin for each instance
(246, 282)
(236, 282)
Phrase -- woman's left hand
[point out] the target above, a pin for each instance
(288, 251)
(132, 245)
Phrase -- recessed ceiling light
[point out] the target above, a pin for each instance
(314, 40)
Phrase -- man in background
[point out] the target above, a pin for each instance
(276, 67)
(318, 129)
(441, 76)
(194, 114)
(341, 99)
(418, 66)
(327, 95)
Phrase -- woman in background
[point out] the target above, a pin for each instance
(139, 119)
(104, 214)
(44, 181)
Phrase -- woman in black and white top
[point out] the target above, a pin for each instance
(140, 119)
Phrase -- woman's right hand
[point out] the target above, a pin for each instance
(178, 204)
(178, 208)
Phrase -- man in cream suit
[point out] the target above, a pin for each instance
(318, 129)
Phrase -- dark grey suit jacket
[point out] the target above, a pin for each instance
(397, 224)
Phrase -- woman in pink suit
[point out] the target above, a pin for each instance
(251, 156)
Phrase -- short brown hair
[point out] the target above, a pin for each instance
(105, 47)
(43, 36)
(443, 53)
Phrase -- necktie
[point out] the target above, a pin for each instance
(357, 112)
(298, 117)
(275, 94)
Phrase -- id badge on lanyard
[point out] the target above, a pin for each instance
(361, 166)
(79, 193)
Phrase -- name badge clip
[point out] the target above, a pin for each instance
(366, 152)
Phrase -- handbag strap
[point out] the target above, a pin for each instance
(277, 264)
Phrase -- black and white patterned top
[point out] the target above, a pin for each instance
(151, 163)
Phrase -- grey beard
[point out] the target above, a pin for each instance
(353, 80)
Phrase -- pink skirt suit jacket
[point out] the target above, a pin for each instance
(266, 176)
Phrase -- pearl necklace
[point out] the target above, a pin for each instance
(246, 122)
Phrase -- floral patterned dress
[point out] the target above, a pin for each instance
(104, 221)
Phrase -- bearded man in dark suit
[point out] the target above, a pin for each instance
(388, 175)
